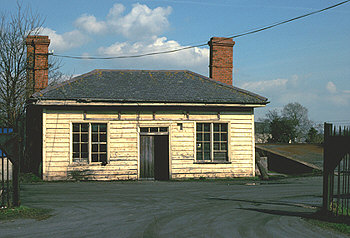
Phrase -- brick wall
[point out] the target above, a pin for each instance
(37, 63)
(221, 59)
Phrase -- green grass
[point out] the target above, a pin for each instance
(29, 178)
(24, 212)
(340, 227)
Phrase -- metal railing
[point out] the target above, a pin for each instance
(6, 175)
(336, 170)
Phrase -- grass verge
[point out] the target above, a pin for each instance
(24, 212)
(329, 221)
(29, 178)
(340, 227)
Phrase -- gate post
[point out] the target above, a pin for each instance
(327, 178)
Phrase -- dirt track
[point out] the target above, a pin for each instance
(172, 209)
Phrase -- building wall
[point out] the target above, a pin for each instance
(123, 144)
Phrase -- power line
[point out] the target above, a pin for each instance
(202, 44)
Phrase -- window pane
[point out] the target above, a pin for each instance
(220, 156)
(223, 136)
(76, 155)
(85, 155)
(206, 136)
(216, 136)
(94, 137)
(76, 147)
(216, 146)
(206, 156)
(84, 147)
(94, 127)
(76, 138)
(76, 127)
(103, 158)
(207, 127)
(216, 127)
(224, 127)
(206, 146)
(163, 129)
(199, 146)
(199, 156)
(223, 146)
(84, 127)
(103, 127)
(95, 148)
(144, 129)
(103, 137)
(199, 126)
(94, 158)
(84, 137)
(154, 129)
(199, 137)
(103, 148)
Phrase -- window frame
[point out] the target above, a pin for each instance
(89, 162)
(228, 141)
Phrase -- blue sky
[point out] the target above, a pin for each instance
(307, 61)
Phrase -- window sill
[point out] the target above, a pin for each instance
(76, 164)
(212, 162)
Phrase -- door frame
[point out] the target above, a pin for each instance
(152, 134)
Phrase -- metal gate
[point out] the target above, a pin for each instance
(336, 170)
(6, 175)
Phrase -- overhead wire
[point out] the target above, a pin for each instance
(202, 44)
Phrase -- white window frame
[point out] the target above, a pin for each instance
(90, 142)
(212, 143)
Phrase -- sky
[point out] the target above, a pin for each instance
(305, 61)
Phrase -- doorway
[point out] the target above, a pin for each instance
(154, 156)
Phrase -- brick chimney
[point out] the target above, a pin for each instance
(37, 63)
(221, 59)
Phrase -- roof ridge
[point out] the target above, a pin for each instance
(140, 70)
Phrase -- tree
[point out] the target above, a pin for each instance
(291, 124)
(282, 130)
(298, 114)
(313, 136)
(14, 29)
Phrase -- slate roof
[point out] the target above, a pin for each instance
(148, 86)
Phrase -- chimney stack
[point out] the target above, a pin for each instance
(221, 59)
(37, 63)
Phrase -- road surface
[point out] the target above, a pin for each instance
(172, 209)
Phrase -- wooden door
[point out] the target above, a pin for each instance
(147, 157)
(154, 157)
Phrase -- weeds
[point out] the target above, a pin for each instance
(24, 212)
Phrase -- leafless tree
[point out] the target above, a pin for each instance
(14, 29)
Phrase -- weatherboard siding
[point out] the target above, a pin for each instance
(123, 144)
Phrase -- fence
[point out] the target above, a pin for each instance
(336, 170)
(6, 174)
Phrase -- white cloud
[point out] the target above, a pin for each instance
(331, 87)
(116, 11)
(266, 85)
(192, 59)
(337, 97)
(65, 41)
(141, 22)
(90, 24)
